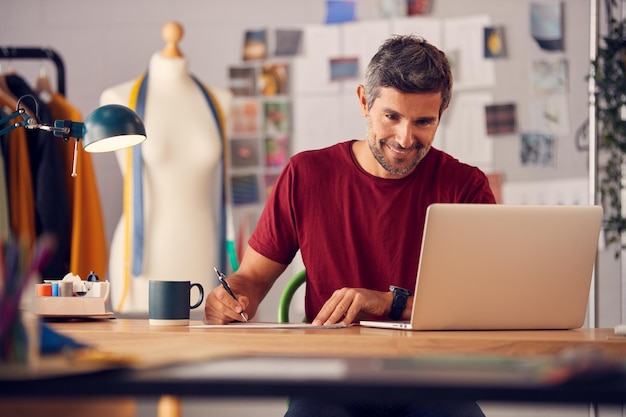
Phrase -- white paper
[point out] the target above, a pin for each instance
(426, 27)
(267, 325)
(311, 70)
(316, 121)
(362, 40)
(464, 134)
(464, 44)
(550, 114)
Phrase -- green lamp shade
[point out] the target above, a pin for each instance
(112, 127)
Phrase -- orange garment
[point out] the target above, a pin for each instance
(89, 250)
(21, 194)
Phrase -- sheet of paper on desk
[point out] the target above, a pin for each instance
(266, 325)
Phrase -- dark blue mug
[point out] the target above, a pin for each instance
(170, 302)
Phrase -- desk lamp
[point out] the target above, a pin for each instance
(107, 128)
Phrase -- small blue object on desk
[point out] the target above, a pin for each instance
(54, 342)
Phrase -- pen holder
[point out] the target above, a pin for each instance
(19, 326)
(13, 341)
(19, 329)
(20, 343)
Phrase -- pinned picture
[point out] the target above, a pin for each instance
(274, 79)
(255, 45)
(550, 76)
(276, 118)
(537, 149)
(245, 189)
(242, 81)
(501, 118)
(276, 151)
(270, 180)
(344, 68)
(494, 45)
(546, 20)
(340, 11)
(288, 42)
(418, 7)
(392, 8)
(244, 153)
(245, 116)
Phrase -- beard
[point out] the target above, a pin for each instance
(399, 165)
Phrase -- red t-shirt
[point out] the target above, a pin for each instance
(354, 229)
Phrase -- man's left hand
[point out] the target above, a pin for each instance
(348, 304)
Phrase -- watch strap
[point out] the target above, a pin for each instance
(400, 297)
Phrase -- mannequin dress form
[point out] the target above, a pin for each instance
(181, 181)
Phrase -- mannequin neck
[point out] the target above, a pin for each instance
(168, 69)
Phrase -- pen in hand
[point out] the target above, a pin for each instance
(222, 279)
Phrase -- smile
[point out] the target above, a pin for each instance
(400, 150)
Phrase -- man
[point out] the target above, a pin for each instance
(356, 210)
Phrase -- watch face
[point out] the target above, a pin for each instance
(399, 290)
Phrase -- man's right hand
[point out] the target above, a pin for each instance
(250, 283)
(221, 308)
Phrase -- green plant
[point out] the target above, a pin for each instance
(609, 72)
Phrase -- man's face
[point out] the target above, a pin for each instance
(400, 129)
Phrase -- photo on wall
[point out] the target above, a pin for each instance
(537, 149)
(274, 79)
(270, 180)
(244, 153)
(501, 118)
(288, 42)
(495, 46)
(276, 118)
(549, 77)
(245, 117)
(345, 68)
(245, 189)
(418, 7)
(276, 151)
(255, 45)
(546, 25)
(242, 81)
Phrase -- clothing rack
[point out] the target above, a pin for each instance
(11, 52)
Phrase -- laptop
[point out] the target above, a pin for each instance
(503, 267)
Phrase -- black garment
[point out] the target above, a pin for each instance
(52, 214)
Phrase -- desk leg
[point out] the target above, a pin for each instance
(169, 406)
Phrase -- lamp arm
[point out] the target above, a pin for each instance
(19, 112)
(65, 129)
(62, 128)
(108, 128)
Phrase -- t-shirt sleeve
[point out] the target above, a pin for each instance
(479, 190)
(275, 235)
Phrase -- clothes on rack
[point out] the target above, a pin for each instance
(42, 195)
(49, 191)
(89, 248)
(19, 208)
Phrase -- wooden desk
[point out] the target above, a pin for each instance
(360, 361)
(155, 345)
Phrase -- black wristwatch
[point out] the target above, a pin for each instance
(400, 296)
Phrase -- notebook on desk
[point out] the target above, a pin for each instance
(503, 267)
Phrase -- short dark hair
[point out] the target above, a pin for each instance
(409, 64)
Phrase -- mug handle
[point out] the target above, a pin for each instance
(200, 298)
